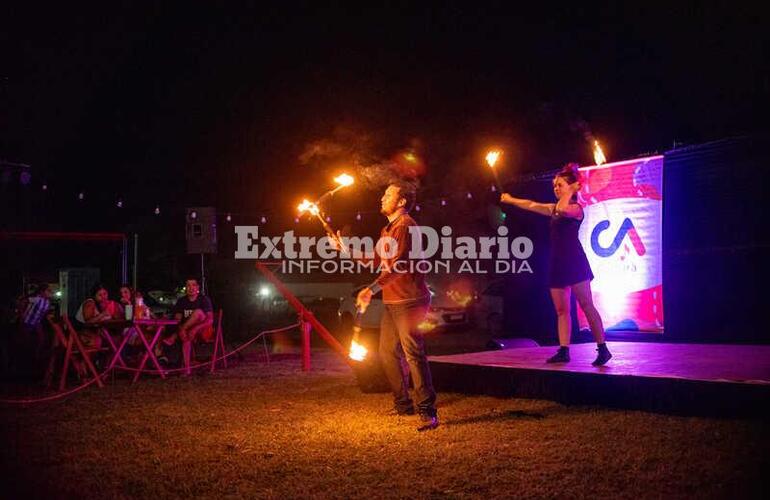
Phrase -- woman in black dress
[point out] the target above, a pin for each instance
(569, 271)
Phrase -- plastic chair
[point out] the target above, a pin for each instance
(218, 341)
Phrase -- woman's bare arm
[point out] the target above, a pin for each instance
(533, 206)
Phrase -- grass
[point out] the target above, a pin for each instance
(263, 430)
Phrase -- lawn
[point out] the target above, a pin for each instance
(264, 430)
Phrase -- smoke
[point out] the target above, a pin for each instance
(361, 152)
(580, 125)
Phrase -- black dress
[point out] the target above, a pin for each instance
(568, 263)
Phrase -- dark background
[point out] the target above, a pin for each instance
(174, 105)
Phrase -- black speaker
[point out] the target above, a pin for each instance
(201, 230)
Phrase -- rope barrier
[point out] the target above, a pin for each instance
(104, 374)
(207, 363)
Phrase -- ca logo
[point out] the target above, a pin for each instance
(626, 228)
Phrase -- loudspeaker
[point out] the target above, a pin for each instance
(201, 230)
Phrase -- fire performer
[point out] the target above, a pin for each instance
(406, 298)
(569, 270)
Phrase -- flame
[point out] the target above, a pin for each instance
(308, 206)
(492, 158)
(599, 157)
(344, 180)
(357, 351)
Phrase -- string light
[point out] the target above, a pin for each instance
(443, 201)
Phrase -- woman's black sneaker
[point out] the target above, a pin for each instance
(561, 356)
(603, 356)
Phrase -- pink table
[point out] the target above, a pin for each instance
(134, 328)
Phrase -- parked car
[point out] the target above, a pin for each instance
(160, 302)
(443, 312)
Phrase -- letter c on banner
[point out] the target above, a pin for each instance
(626, 228)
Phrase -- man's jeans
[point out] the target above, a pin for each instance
(401, 343)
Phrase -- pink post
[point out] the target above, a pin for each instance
(306, 327)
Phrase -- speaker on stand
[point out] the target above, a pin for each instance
(201, 235)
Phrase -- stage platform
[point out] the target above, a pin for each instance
(690, 379)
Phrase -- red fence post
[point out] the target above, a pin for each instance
(302, 310)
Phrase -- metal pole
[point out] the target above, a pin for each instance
(136, 259)
(124, 260)
(203, 277)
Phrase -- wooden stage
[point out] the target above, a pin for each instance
(693, 379)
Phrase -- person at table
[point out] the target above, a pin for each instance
(97, 309)
(135, 299)
(130, 298)
(127, 297)
(196, 316)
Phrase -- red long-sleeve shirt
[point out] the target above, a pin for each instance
(400, 284)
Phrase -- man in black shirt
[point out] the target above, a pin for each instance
(196, 318)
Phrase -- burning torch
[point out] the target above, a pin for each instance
(313, 209)
(492, 157)
(357, 350)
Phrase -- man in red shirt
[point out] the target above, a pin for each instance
(406, 298)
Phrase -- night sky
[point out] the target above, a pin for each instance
(204, 103)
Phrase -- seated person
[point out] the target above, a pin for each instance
(127, 296)
(31, 318)
(95, 309)
(134, 298)
(196, 317)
